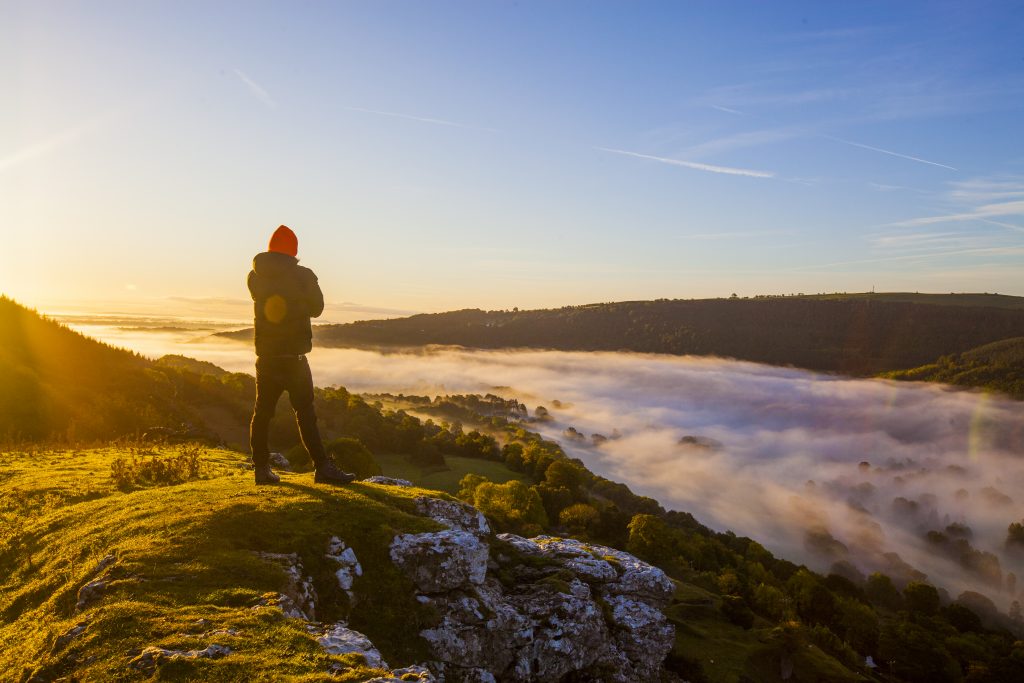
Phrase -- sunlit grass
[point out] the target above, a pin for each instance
(183, 553)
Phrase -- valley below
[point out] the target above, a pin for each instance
(918, 481)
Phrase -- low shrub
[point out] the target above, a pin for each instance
(352, 456)
(157, 470)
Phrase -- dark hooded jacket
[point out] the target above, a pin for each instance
(285, 296)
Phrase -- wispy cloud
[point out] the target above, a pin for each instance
(1008, 226)
(736, 235)
(754, 94)
(258, 91)
(727, 110)
(923, 256)
(987, 190)
(884, 187)
(752, 138)
(727, 170)
(977, 213)
(889, 152)
(917, 240)
(43, 147)
(830, 35)
(421, 119)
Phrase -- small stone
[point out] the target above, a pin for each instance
(280, 462)
(387, 481)
(341, 640)
(69, 635)
(90, 593)
(299, 589)
(348, 565)
(454, 515)
(152, 657)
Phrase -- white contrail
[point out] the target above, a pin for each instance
(727, 110)
(728, 170)
(421, 119)
(890, 153)
(256, 89)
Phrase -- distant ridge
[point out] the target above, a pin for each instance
(998, 366)
(858, 334)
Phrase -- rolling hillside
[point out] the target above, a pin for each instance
(998, 366)
(851, 334)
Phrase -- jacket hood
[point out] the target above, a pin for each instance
(271, 262)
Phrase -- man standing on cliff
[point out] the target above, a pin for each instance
(285, 296)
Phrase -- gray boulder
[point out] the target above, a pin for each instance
(338, 639)
(298, 594)
(442, 560)
(387, 481)
(454, 515)
(585, 611)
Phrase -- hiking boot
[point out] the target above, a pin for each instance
(328, 473)
(265, 475)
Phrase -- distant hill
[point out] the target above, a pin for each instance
(58, 384)
(998, 366)
(53, 379)
(859, 334)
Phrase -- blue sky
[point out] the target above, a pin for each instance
(470, 154)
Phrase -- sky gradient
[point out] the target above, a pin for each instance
(443, 155)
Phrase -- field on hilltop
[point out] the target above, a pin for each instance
(181, 571)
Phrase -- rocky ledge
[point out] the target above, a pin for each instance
(540, 609)
(509, 608)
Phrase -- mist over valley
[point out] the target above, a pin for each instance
(918, 481)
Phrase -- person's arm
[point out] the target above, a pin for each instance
(314, 297)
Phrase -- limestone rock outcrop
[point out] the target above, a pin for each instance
(441, 561)
(549, 609)
(508, 608)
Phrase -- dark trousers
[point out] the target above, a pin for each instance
(274, 376)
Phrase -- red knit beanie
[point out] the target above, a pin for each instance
(284, 241)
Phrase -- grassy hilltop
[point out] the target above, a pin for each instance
(184, 553)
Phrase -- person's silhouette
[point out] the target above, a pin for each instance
(285, 296)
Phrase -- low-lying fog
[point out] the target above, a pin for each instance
(820, 469)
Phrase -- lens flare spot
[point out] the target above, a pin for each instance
(275, 309)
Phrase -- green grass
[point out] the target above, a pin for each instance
(184, 552)
(446, 480)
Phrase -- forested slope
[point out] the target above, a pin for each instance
(854, 335)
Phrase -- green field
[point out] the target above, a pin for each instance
(445, 479)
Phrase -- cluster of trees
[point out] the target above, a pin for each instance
(857, 335)
(55, 382)
(997, 367)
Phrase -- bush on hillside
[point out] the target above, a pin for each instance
(352, 456)
(579, 518)
(513, 506)
(298, 457)
(156, 470)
